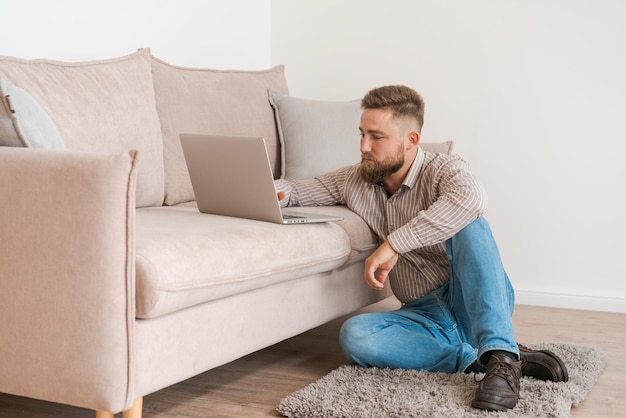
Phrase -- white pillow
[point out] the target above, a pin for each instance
(321, 136)
(23, 122)
(315, 136)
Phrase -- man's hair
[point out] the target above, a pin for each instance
(401, 100)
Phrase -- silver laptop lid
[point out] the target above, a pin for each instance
(232, 176)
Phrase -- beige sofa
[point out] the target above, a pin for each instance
(112, 284)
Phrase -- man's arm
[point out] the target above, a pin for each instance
(324, 190)
(459, 199)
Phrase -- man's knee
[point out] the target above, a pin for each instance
(354, 337)
(351, 331)
(479, 227)
(476, 234)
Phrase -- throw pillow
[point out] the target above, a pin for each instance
(315, 136)
(320, 136)
(23, 122)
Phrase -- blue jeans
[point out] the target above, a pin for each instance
(448, 329)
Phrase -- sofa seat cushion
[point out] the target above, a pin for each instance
(362, 238)
(184, 258)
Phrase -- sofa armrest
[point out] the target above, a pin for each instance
(67, 278)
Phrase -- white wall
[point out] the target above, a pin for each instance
(534, 94)
(530, 90)
(208, 33)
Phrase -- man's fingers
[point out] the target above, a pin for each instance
(374, 281)
(378, 265)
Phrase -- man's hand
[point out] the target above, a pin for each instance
(281, 195)
(383, 260)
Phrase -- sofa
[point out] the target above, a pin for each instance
(112, 284)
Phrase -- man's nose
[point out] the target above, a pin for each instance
(365, 145)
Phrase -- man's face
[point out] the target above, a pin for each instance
(382, 145)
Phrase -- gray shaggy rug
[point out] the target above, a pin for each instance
(352, 391)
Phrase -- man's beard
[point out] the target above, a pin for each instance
(374, 172)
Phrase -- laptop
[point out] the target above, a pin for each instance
(232, 176)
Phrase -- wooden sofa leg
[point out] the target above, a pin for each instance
(133, 412)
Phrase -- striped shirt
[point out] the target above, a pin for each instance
(438, 198)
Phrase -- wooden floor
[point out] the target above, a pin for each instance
(254, 385)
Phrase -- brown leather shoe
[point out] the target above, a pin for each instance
(542, 365)
(499, 389)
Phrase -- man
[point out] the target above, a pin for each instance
(437, 252)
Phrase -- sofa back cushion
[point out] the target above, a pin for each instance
(206, 101)
(100, 106)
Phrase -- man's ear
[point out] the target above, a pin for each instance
(413, 139)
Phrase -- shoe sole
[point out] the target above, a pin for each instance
(488, 406)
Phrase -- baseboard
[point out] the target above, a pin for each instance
(560, 300)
